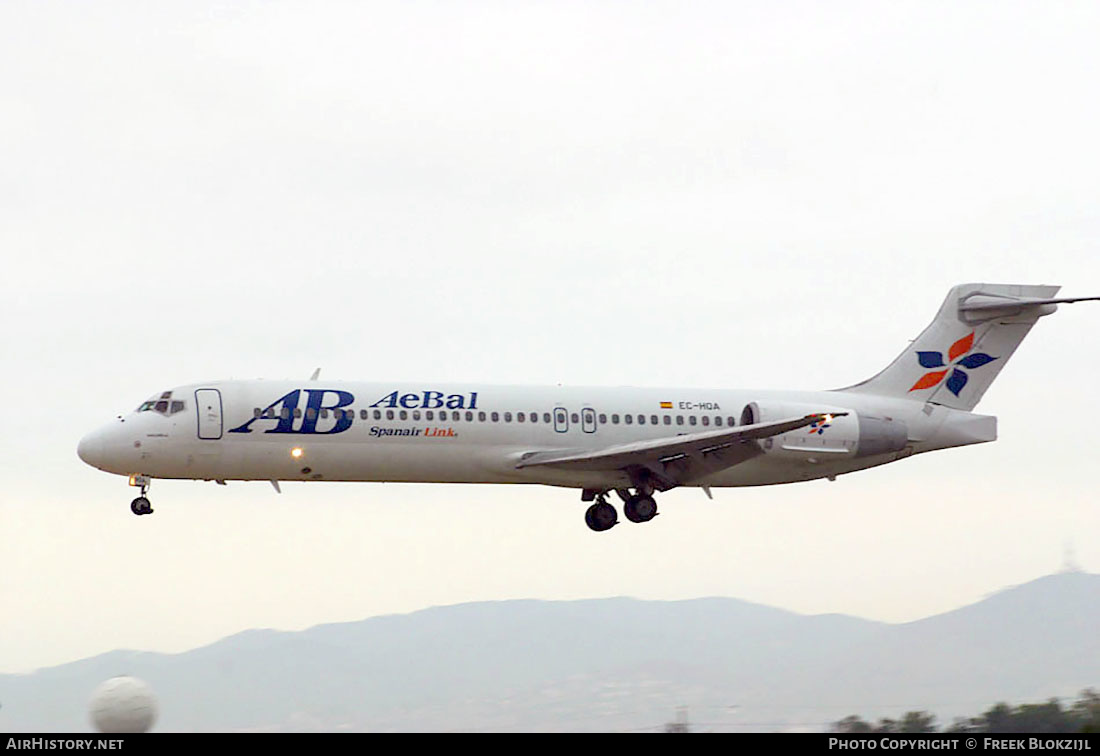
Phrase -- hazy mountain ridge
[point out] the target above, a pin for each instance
(600, 664)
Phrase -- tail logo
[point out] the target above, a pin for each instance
(959, 357)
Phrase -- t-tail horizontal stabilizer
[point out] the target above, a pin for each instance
(979, 307)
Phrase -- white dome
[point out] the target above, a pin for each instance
(123, 704)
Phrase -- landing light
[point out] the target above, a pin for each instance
(296, 452)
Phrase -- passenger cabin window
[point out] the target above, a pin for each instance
(546, 417)
(692, 420)
(403, 415)
(614, 419)
(628, 419)
(653, 419)
(706, 420)
(507, 417)
(416, 414)
(574, 418)
(603, 419)
(668, 419)
(378, 414)
(496, 417)
(641, 419)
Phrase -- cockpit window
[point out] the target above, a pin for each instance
(164, 404)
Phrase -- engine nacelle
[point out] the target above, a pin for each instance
(881, 435)
(852, 435)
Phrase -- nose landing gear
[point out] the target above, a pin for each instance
(141, 505)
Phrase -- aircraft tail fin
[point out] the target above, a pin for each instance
(957, 357)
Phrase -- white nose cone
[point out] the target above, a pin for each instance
(123, 704)
(90, 450)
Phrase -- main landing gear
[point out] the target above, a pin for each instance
(601, 516)
(640, 508)
(141, 505)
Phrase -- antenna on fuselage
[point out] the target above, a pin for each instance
(315, 375)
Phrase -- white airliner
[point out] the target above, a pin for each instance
(634, 441)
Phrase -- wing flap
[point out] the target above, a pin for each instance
(676, 458)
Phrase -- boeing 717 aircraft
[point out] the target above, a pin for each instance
(635, 442)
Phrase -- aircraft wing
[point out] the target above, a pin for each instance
(674, 460)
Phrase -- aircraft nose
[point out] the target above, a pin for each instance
(90, 449)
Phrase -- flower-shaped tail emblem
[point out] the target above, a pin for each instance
(958, 357)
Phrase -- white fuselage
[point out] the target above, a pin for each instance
(351, 431)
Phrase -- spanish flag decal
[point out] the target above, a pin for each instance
(666, 405)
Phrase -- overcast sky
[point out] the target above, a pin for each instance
(724, 194)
